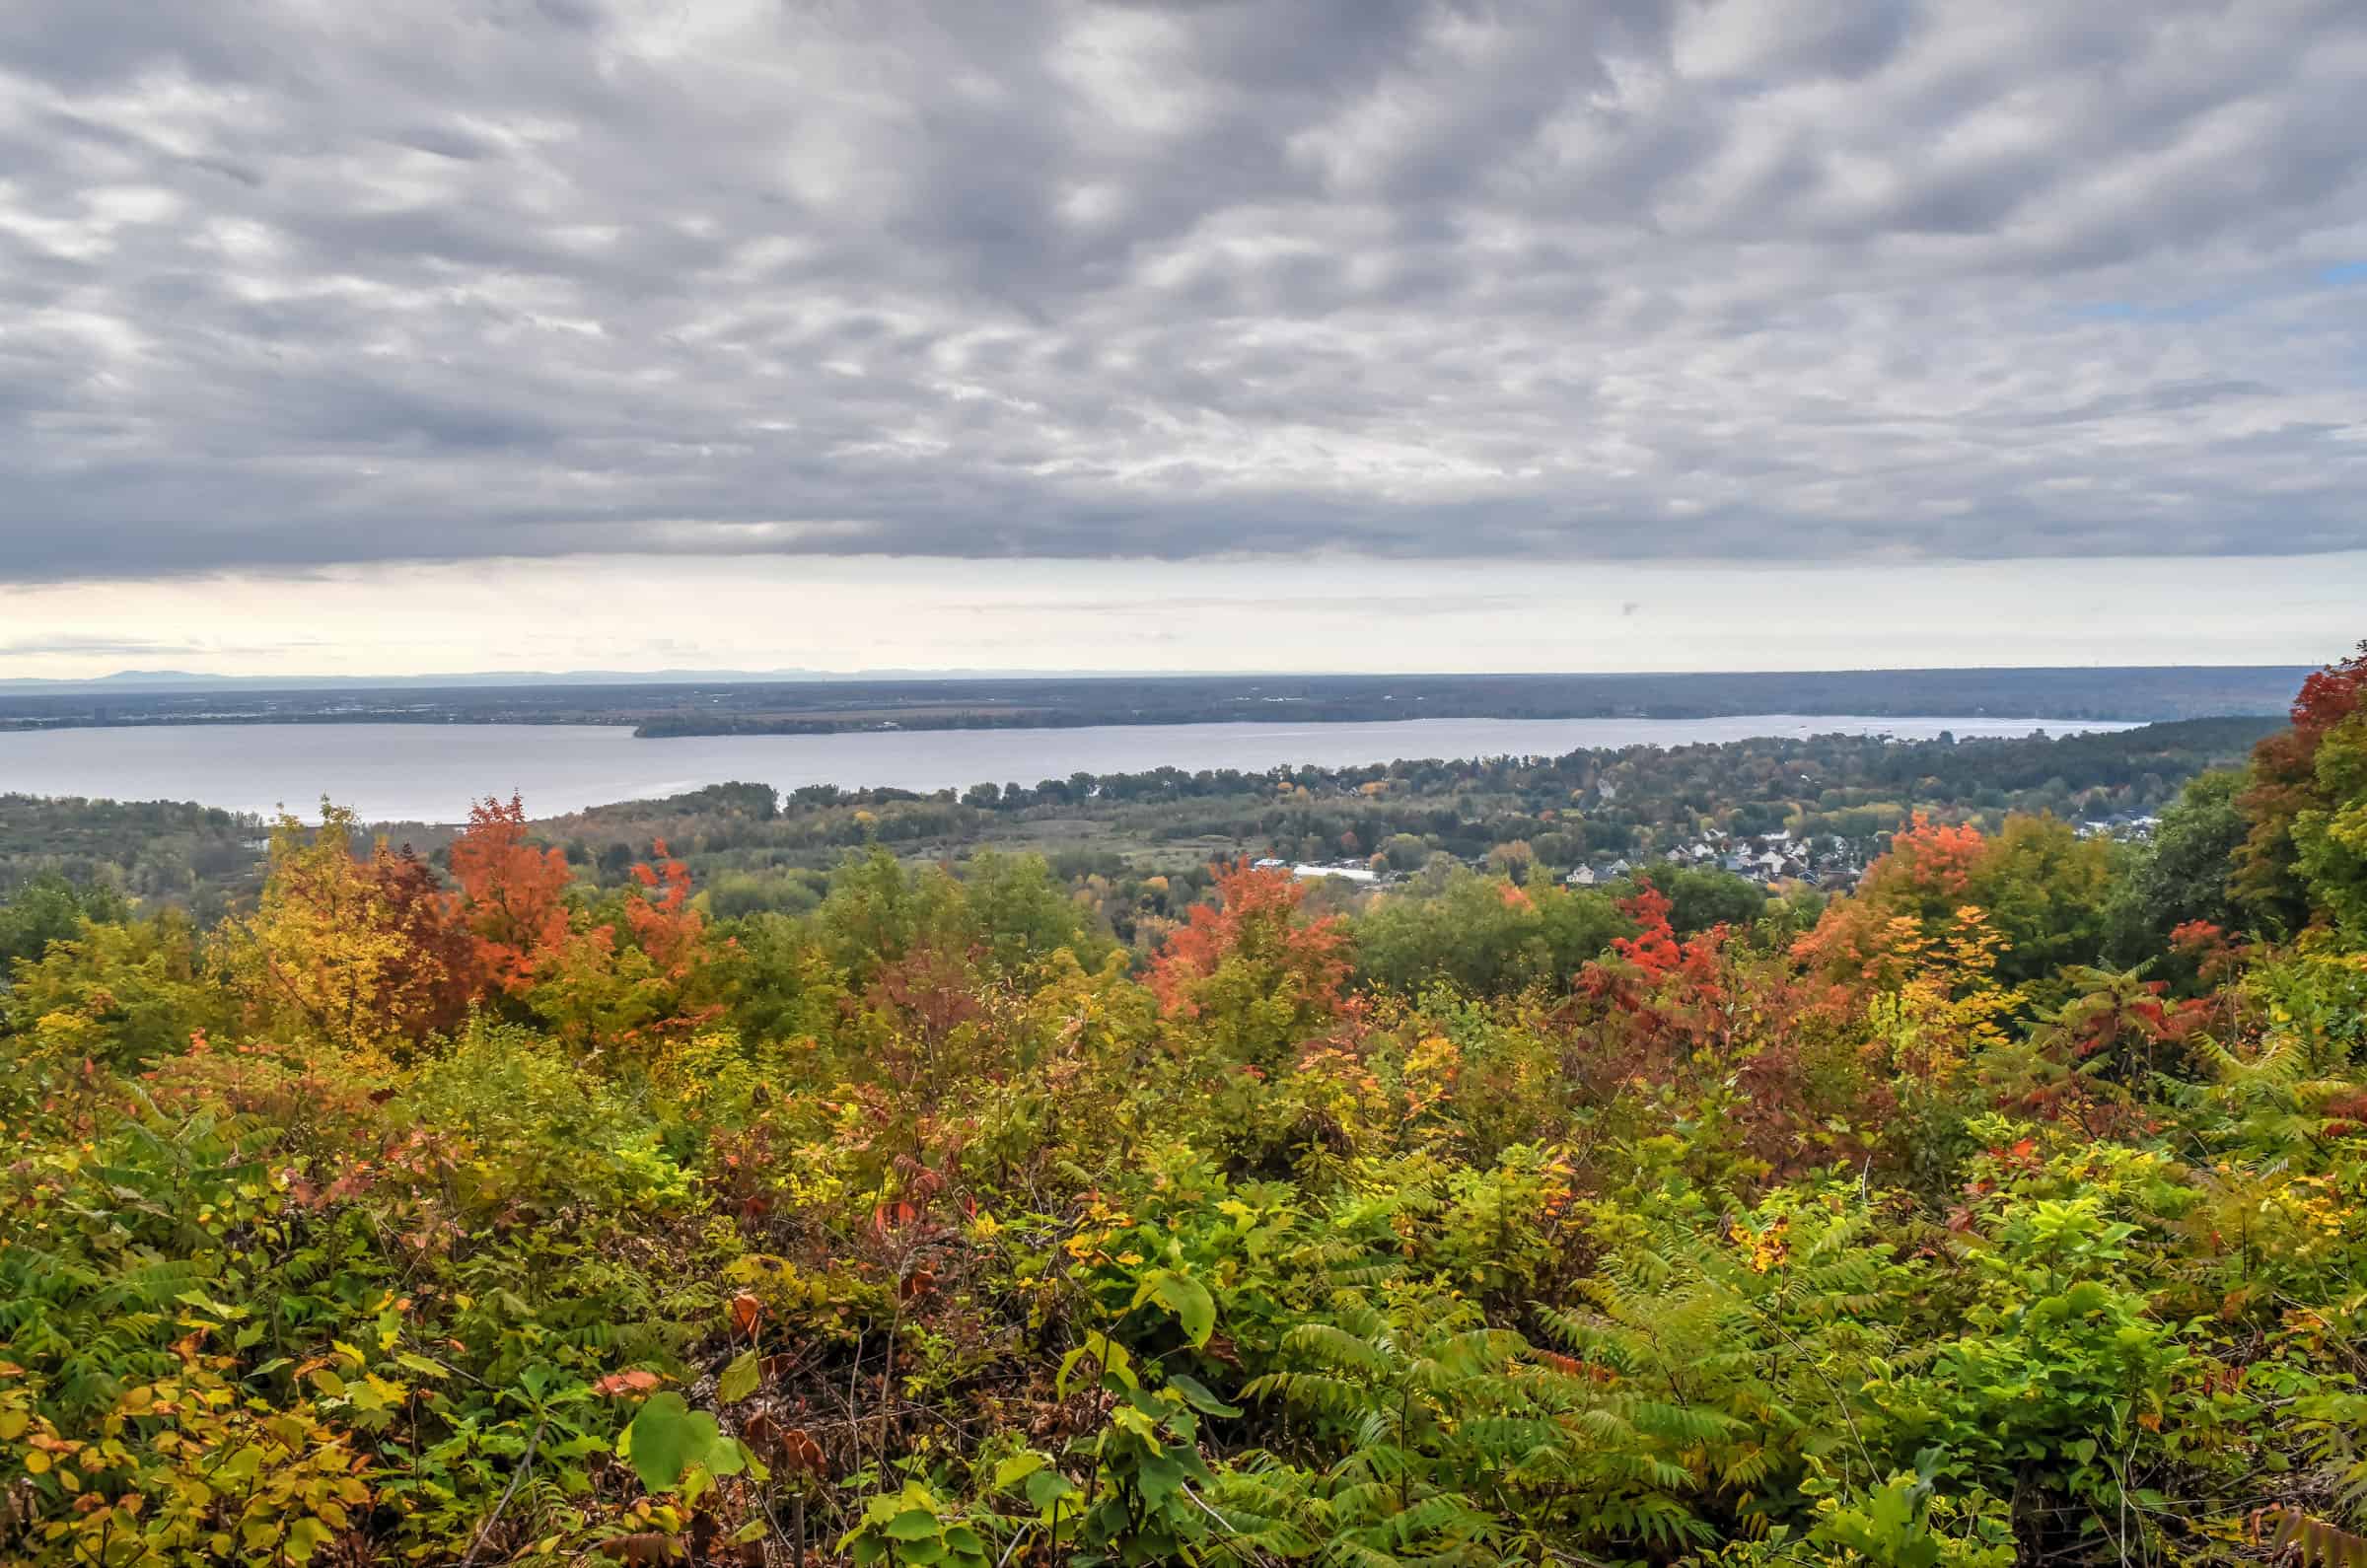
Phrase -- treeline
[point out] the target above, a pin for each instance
(198, 856)
(1137, 843)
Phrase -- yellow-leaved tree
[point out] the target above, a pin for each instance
(328, 953)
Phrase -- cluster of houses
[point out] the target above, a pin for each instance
(2130, 827)
(1355, 871)
(1823, 861)
(1768, 859)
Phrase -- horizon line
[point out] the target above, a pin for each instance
(136, 680)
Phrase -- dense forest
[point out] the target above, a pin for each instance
(482, 1206)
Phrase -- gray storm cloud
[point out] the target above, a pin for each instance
(287, 284)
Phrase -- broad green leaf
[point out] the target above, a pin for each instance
(1160, 1478)
(739, 1378)
(240, 1467)
(1047, 1487)
(1186, 1297)
(1018, 1468)
(667, 1438)
(1109, 1357)
(1196, 1394)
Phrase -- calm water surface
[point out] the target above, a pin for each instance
(421, 772)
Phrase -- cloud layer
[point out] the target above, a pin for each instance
(1335, 613)
(285, 283)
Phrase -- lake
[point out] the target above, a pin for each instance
(423, 773)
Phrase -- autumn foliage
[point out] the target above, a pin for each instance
(436, 972)
(1252, 915)
(511, 896)
(370, 947)
(2283, 786)
(663, 923)
(1672, 990)
(498, 1210)
(1909, 895)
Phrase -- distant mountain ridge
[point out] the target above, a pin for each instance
(131, 681)
(137, 680)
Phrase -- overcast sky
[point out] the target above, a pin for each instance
(1140, 336)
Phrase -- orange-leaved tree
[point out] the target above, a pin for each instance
(512, 896)
(665, 925)
(1907, 895)
(657, 978)
(1653, 949)
(1769, 1058)
(2035, 893)
(1249, 970)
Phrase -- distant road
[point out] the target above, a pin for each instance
(2133, 694)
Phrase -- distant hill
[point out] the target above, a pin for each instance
(2275, 684)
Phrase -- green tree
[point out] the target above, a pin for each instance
(123, 992)
(2182, 875)
(1024, 914)
(1483, 934)
(50, 908)
(2329, 837)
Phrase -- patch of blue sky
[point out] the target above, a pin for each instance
(2133, 311)
(2220, 304)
